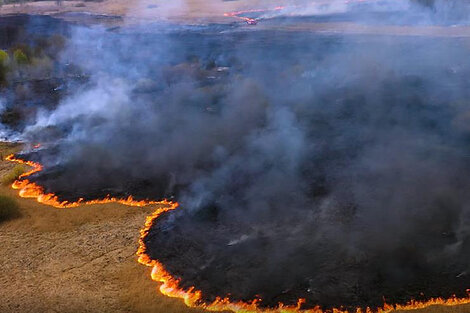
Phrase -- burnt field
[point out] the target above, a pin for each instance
(327, 167)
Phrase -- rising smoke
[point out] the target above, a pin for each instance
(326, 167)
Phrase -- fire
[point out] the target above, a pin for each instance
(29, 189)
(251, 21)
(254, 21)
(170, 285)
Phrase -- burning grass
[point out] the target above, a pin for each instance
(171, 285)
(327, 224)
(29, 189)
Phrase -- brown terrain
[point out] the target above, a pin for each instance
(191, 10)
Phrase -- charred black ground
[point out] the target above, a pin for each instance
(241, 261)
(326, 167)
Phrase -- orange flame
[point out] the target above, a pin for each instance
(236, 14)
(170, 285)
(29, 189)
(248, 19)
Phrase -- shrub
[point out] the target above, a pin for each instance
(9, 209)
(3, 57)
(20, 57)
(13, 175)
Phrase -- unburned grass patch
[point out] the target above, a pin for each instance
(9, 209)
(13, 174)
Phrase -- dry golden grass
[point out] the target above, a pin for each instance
(9, 177)
(81, 260)
(75, 260)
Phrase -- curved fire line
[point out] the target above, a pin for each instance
(29, 189)
(254, 21)
(170, 285)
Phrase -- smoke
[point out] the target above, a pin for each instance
(331, 168)
(6, 133)
(158, 9)
(402, 12)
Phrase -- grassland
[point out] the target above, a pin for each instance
(77, 260)
(81, 260)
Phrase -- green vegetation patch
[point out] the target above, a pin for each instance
(9, 209)
(4, 57)
(20, 57)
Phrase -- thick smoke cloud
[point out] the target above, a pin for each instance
(326, 167)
